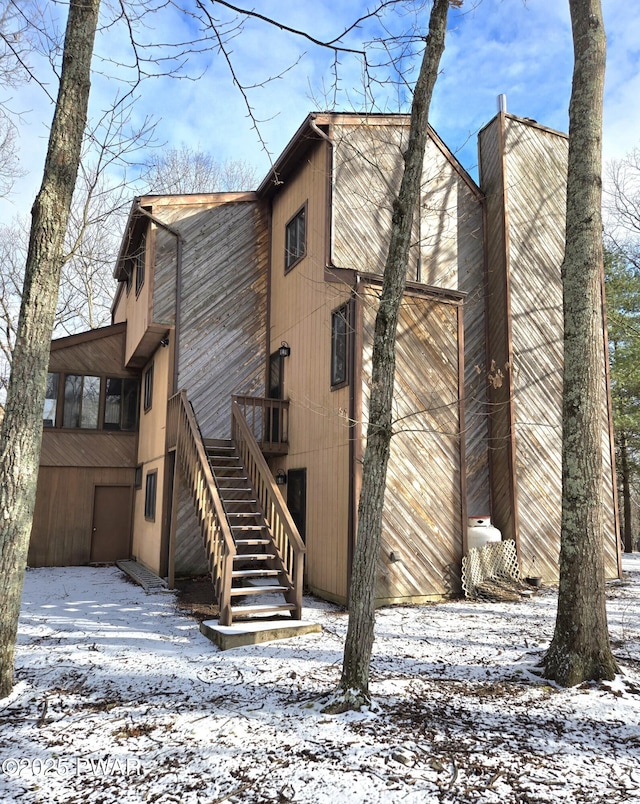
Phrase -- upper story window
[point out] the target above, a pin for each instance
(51, 401)
(295, 239)
(87, 402)
(120, 403)
(81, 401)
(139, 262)
(339, 342)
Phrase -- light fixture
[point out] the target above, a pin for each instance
(284, 350)
(164, 341)
(281, 478)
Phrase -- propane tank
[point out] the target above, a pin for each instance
(480, 531)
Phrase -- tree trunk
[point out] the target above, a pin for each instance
(354, 686)
(580, 647)
(22, 428)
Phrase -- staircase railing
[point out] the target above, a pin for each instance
(268, 420)
(283, 529)
(183, 435)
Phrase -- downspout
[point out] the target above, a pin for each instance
(179, 241)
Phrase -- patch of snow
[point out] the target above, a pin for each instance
(119, 698)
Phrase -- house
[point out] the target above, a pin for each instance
(241, 348)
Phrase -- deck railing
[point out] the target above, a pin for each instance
(183, 435)
(285, 535)
(268, 420)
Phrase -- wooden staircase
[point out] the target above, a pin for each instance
(253, 546)
(257, 567)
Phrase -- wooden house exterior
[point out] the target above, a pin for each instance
(84, 508)
(523, 174)
(247, 320)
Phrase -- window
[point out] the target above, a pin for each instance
(129, 274)
(51, 401)
(81, 401)
(339, 337)
(150, 495)
(148, 388)
(91, 403)
(295, 239)
(137, 480)
(120, 404)
(138, 261)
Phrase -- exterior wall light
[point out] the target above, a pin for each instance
(281, 478)
(284, 350)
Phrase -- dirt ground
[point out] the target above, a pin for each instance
(196, 597)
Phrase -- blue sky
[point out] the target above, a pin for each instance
(522, 49)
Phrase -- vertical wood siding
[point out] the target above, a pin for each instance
(301, 305)
(423, 504)
(62, 523)
(534, 175)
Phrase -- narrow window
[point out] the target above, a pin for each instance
(120, 404)
(148, 388)
(51, 401)
(137, 480)
(139, 260)
(295, 239)
(150, 496)
(81, 401)
(339, 336)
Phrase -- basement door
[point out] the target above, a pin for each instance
(111, 532)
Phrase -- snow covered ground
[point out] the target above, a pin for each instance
(119, 698)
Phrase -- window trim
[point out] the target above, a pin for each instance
(147, 388)
(343, 312)
(290, 265)
(150, 495)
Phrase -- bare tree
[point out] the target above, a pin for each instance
(189, 170)
(353, 691)
(580, 648)
(21, 437)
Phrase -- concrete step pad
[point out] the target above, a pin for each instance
(254, 632)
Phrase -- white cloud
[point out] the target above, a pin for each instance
(522, 49)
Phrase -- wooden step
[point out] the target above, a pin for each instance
(261, 608)
(253, 556)
(239, 591)
(236, 489)
(248, 542)
(255, 573)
